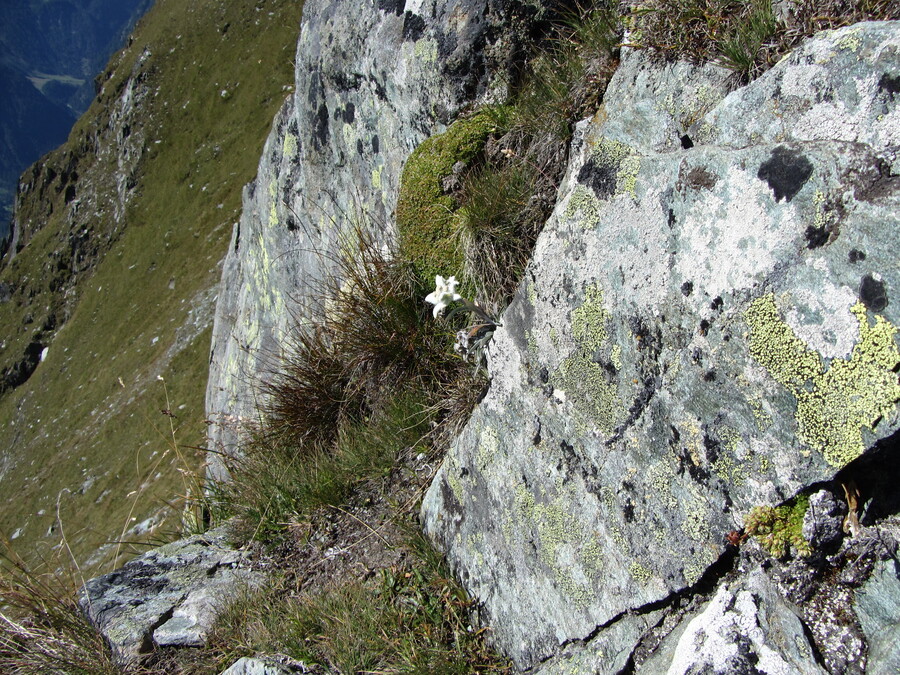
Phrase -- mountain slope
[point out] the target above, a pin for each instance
(50, 51)
(118, 240)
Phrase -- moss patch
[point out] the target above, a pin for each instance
(426, 215)
(834, 403)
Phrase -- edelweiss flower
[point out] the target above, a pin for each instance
(444, 293)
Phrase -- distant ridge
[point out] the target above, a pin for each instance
(50, 53)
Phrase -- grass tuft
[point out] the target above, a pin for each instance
(747, 37)
(277, 481)
(42, 629)
(413, 618)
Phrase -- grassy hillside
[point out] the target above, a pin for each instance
(87, 453)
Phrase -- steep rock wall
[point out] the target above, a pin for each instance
(373, 81)
(707, 325)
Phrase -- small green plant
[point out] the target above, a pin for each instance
(780, 528)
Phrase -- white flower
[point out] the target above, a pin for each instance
(444, 293)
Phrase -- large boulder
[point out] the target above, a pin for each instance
(708, 325)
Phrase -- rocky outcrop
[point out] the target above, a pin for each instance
(373, 81)
(707, 326)
(168, 597)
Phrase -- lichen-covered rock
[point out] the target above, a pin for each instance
(167, 597)
(373, 80)
(268, 666)
(705, 327)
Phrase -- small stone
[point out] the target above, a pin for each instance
(822, 520)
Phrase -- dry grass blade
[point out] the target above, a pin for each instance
(42, 629)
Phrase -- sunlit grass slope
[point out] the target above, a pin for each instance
(85, 451)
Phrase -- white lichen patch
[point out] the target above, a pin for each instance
(734, 224)
(822, 319)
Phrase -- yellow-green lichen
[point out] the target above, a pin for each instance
(289, 146)
(639, 573)
(627, 163)
(560, 537)
(835, 403)
(696, 520)
(660, 477)
(584, 206)
(731, 470)
(426, 216)
(850, 41)
(426, 51)
(586, 383)
(532, 294)
(763, 418)
(273, 203)
(451, 475)
(589, 320)
(692, 573)
(615, 356)
(376, 176)
(488, 447)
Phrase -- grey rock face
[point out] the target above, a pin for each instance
(373, 81)
(745, 628)
(878, 609)
(702, 330)
(167, 597)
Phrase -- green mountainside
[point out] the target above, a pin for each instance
(113, 271)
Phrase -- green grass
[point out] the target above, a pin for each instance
(746, 37)
(87, 425)
(42, 630)
(277, 481)
(412, 618)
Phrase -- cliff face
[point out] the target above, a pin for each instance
(706, 332)
(372, 82)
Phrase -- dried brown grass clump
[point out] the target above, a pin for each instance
(42, 629)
